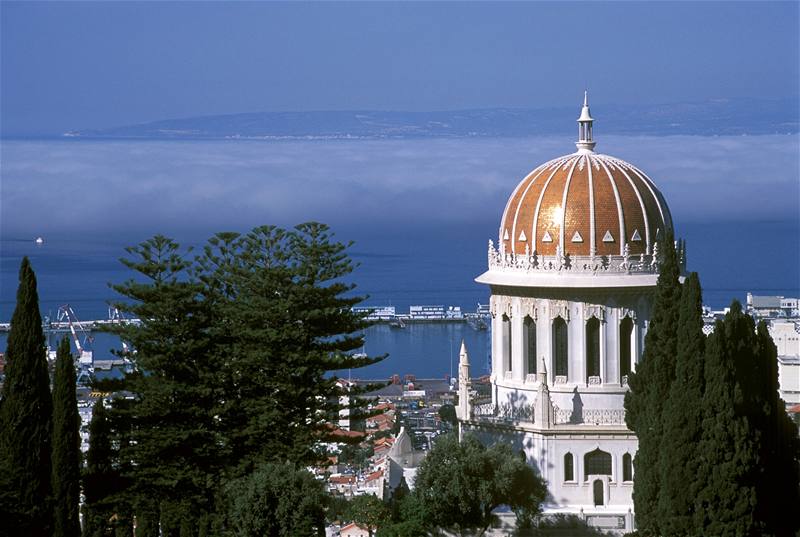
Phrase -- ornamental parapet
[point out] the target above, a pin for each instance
(512, 414)
(533, 262)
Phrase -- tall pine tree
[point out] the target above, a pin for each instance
(679, 459)
(176, 450)
(66, 446)
(650, 385)
(25, 419)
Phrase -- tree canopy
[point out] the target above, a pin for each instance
(650, 385)
(66, 446)
(717, 454)
(459, 484)
(235, 358)
(276, 500)
(26, 419)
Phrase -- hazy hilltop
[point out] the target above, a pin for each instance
(717, 117)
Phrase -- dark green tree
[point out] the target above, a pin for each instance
(367, 510)
(729, 444)
(25, 419)
(276, 500)
(459, 484)
(778, 472)
(102, 482)
(66, 446)
(650, 387)
(409, 518)
(176, 449)
(447, 413)
(285, 322)
(233, 355)
(679, 459)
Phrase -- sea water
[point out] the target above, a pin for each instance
(79, 273)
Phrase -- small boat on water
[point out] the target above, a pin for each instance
(397, 323)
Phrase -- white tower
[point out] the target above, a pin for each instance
(464, 410)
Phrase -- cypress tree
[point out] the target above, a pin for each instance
(25, 419)
(729, 444)
(66, 446)
(778, 477)
(680, 460)
(650, 385)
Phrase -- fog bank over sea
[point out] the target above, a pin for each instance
(137, 188)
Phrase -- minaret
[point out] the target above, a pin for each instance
(544, 414)
(464, 410)
(585, 142)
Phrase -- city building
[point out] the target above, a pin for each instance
(772, 306)
(786, 335)
(571, 279)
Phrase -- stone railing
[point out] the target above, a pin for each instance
(506, 413)
(565, 262)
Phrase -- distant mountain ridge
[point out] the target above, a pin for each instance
(717, 117)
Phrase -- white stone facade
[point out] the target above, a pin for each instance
(587, 398)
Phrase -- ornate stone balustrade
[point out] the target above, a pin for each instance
(506, 413)
(564, 262)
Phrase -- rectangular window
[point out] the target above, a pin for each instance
(530, 345)
(625, 336)
(593, 347)
(507, 343)
(560, 349)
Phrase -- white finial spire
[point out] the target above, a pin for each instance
(585, 142)
(464, 409)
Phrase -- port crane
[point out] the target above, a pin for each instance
(116, 316)
(85, 355)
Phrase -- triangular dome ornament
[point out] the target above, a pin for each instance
(608, 237)
(522, 237)
(576, 237)
(636, 237)
(547, 237)
(505, 235)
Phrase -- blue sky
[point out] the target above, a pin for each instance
(67, 65)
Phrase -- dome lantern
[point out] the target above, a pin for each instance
(585, 142)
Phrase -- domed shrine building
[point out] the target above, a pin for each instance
(572, 281)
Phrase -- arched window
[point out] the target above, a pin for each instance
(625, 334)
(507, 342)
(569, 468)
(593, 347)
(596, 463)
(560, 346)
(529, 345)
(627, 467)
